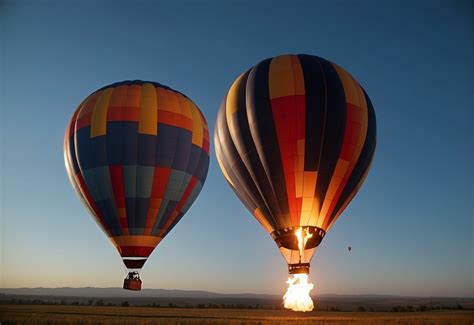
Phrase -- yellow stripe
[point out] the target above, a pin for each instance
(309, 186)
(231, 100)
(148, 120)
(198, 127)
(298, 75)
(149, 241)
(281, 81)
(349, 85)
(231, 103)
(219, 161)
(99, 115)
(263, 221)
(183, 107)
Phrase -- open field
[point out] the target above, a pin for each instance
(57, 314)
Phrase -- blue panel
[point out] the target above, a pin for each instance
(201, 172)
(161, 212)
(130, 181)
(115, 143)
(130, 206)
(108, 212)
(103, 182)
(144, 181)
(129, 143)
(168, 210)
(194, 158)
(146, 149)
(90, 152)
(141, 210)
(71, 151)
(183, 150)
(166, 145)
(174, 185)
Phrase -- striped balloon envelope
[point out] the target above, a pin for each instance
(294, 137)
(137, 154)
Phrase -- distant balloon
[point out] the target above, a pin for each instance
(349, 248)
(137, 154)
(294, 137)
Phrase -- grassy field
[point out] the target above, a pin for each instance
(57, 314)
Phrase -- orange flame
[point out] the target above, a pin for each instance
(297, 295)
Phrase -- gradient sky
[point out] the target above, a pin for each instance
(410, 226)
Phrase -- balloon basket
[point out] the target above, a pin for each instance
(134, 285)
(298, 268)
(132, 282)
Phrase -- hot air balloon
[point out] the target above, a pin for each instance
(294, 137)
(137, 155)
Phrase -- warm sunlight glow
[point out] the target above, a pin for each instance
(297, 296)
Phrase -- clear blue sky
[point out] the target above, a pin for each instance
(411, 224)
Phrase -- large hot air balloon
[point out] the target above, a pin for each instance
(294, 137)
(137, 154)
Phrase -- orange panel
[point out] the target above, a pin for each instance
(133, 96)
(263, 221)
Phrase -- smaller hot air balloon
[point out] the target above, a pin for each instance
(349, 248)
(137, 155)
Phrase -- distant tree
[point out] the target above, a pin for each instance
(90, 302)
(410, 308)
(459, 307)
(125, 304)
(171, 305)
(361, 309)
(422, 308)
(398, 309)
(99, 302)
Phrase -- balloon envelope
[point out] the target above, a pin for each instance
(294, 137)
(137, 154)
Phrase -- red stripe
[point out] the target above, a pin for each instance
(175, 119)
(160, 182)
(123, 113)
(84, 121)
(205, 146)
(116, 177)
(135, 251)
(351, 134)
(289, 120)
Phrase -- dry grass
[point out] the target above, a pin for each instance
(56, 314)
